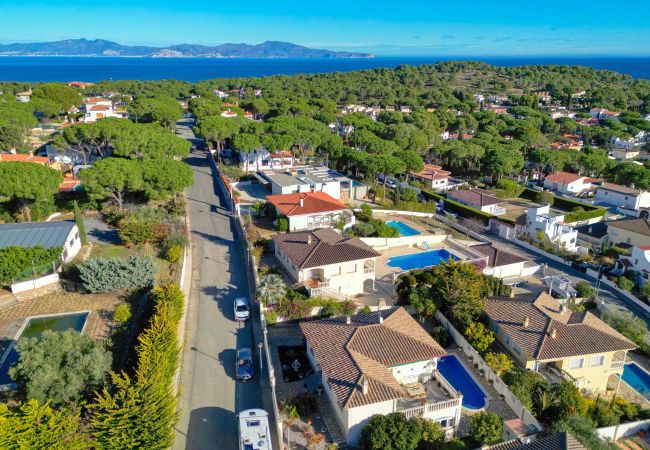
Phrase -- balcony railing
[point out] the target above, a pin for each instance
(428, 408)
(445, 384)
(617, 365)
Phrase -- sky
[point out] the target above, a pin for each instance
(385, 28)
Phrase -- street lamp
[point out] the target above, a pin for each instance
(261, 366)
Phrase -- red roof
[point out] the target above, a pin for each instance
(282, 154)
(8, 157)
(312, 202)
(100, 108)
(432, 172)
(645, 248)
(567, 178)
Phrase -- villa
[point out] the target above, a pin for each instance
(380, 363)
(541, 222)
(500, 263)
(627, 232)
(325, 262)
(95, 108)
(434, 177)
(628, 200)
(600, 113)
(311, 179)
(63, 234)
(24, 97)
(478, 198)
(545, 336)
(311, 210)
(568, 183)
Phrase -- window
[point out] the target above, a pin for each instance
(597, 361)
(507, 339)
(516, 348)
(576, 363)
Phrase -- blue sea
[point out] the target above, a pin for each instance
(45, 68)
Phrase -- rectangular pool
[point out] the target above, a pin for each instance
(403, 229)
(456, 374)
(34, 327)
(638, 378)
(420, 260)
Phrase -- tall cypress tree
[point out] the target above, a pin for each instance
(79, 219)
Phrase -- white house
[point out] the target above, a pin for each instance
(304, 179)
(325, 262)
(95, 108)
(478, 199)
(568, 183)
(639, 262)
(311, 210)
(626, 198)
(500, 263)
(434, 177)
(552, 226)
(261, 158)
(64, 234)
(380, 363)
(600, 113)
(24, 97)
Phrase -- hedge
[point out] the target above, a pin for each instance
(566, 204)
(16, 261)
(578, 216)
(460, 209)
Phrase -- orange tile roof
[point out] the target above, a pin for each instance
(568, 177)
(99, 108)
(282, 154)
(432, 172)
(8, 157)
(312, 202)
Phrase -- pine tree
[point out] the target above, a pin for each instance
(79, 219)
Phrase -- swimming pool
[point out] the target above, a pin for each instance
(403, 229)
(34, 327)
(638, 378)
(457, 375)
(420, 260)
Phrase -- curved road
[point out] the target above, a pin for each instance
(210, 396)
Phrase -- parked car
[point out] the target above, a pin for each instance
(242, 309)
(390, 181)
(244, 364)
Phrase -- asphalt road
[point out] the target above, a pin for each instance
(210, 396)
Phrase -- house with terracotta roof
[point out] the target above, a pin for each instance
(479, 199)
(501, 263)
(433, 177)
(311, 210)
(95, 108)
(601, 113)
(628, 199)
(325, 262)
(628, 232)
(24, 97)
(568, 183)
(545, 336)
(23, 157)
(380, 363)
(559, 441)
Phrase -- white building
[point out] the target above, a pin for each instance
(600, 113)
(626, 198)
(380, 363)
(434, 177)
(503, 264)
(479, 199)
(325, 262)
(95, 108)
(552, 226)
(639, 262)
(24, 97)
(311, 210)
(303, 180)
(63, 234)
(568, 183)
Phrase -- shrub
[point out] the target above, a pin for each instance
(625, 283)
(362, 229)
(585, 290)
(282, 224)
(626, 323)
(365, 212)
(169, 294)
(305, 404)
(271, 317)
(173, 254)
(60, 366)
(175, 238)
(486, 427)
(116, 274)
(499, 362)
(18, 261)
(122, 313)
(385, 231)
(366, 309)
(441, 335)
(544, 198)
(479, 336)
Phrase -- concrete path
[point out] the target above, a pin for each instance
(210, 396)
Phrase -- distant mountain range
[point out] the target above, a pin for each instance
(100, 47)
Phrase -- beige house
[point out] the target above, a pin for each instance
(380, 363)
(547, 337)
(628, 232)
(325, 262)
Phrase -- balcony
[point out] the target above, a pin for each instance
(426, 399)
(315, 286)
(368, 269)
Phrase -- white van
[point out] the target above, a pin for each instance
(254, 432)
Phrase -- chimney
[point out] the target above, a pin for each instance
(563, 308)
(364, 386)
(309, 239)
(512, 292)
(302, 202)
(381, 318)
(526, 321)
(553, 333)
(348, 320)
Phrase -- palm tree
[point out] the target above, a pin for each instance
(272, 289)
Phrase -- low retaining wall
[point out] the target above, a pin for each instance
(511, 399)
(593, 274)
(616, 432)
(410, 241)
(539, 251)
(35, 284)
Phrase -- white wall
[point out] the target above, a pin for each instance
(411, 373)
(35, 284)
(318, 220)
(622, 430)
(72, 245)
(625, 200)
(410, 241)
(510, 270)
(358, 417)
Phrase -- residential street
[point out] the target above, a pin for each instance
(210, 396)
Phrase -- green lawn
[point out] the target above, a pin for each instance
(112, 251)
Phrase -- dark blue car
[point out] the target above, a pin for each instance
(244, 364)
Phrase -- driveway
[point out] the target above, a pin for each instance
(210, 396)
(100, 233)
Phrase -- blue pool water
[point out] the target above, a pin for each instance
(638, 378)
(403, 229)
(454, 372)
(421, 260)
(35, 328)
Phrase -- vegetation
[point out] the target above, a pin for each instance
(16, 262)
(499, 362)
(630, 326)
(81, 225)
(486, 427)
(394, 431)
(272, 289)
(585, 290)
(116, 274)
(27, 184)
(60, 366)
(479, 336)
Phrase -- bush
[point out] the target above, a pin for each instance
(585, 290)
(169, 294)
(479, 337)
(625, 283)
(509, 188)
(173, 254)
(362, 229)
(116, 274)
(18, 261)
(524, 383)
(364, 213)
(366, 309)
(441, 335)
(499, 362)
(173, 239)
(271, 317)
(60, 366)
(486, 427)
(122, 313)
(626, 323)
(282, 224)
(305, 404)
(544, 198)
